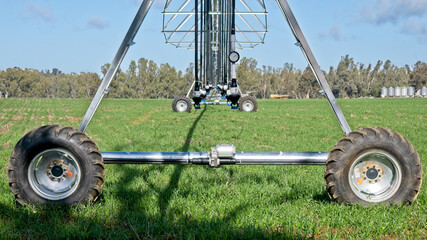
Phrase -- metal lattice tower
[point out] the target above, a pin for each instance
(179, 21)
(206, 25)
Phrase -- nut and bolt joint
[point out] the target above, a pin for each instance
(221, 151)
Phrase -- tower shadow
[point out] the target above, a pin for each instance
(165, 195)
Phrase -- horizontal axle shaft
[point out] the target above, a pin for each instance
(206, 158)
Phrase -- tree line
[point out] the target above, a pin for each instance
(146, 79)
(348, 80)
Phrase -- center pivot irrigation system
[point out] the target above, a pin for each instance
(58, 164)
(215, 30)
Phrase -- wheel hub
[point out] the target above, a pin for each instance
(372, 172)
(57, 170)
(54, 174)
(182, 105)
(375, 176)
(248, 106)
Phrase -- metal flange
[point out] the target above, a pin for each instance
(221, 151)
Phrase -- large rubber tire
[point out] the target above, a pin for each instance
(373, 166)
(181, 104)
(41, 154)
(248, 104)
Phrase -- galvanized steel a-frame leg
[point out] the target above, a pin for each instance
(302, 42)
(124, 47)
(139, 18)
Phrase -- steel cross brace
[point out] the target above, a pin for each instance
(115, 64)
(139, 18)
(302, 42)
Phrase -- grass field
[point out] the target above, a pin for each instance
(187, 202)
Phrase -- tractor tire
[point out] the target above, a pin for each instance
(181, 104)
(248, 104)
(373, 166)
(55, 165)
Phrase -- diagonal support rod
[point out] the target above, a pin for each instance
(118, 58)
(302, 42)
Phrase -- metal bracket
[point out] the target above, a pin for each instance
(213, 158)
(221, 151)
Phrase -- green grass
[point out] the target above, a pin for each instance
(187, 202)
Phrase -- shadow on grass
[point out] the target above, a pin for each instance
(124, 213)
(129, 172)
(165, 194)
(74, 222)
(170, 222)
(322, 198)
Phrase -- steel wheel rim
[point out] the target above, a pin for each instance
(248, 106)
(45, 176)
(375, 176)
(181, 105)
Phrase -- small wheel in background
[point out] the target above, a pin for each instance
(373, 166)
(248, 104)
(56, 164)
(181, 104)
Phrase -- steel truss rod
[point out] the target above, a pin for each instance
(303, 44)
(237, 30)
(179, 27)
(176, 14)
(218, 10)
(124, 47)
(237, 48)
(216, 13)
(204, 158)
(250, 10)
(252, 29)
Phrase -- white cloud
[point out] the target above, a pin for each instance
(410, 16)
(34, 11)
(334, 32)
(415, 27)
(383, 11)
(96, 22)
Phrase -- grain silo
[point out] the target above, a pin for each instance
(384, 92)
(404, 92)
(411, 91)
(391, 91)
(398, 92)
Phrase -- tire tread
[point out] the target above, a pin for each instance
(252, 99)
(175, 101)
(81, 141)
(333, 170)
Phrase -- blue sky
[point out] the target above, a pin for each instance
(81, 36)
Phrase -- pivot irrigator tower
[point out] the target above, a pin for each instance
(215, 29)
(57, 164)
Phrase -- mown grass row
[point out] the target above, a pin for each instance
(197, 202)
